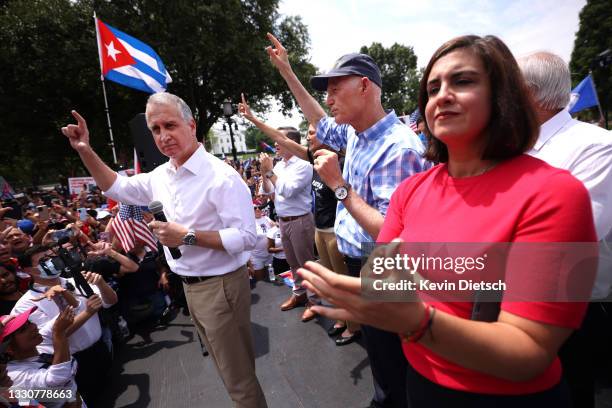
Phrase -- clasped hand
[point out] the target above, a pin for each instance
(344, 292)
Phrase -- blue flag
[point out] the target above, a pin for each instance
(130, 62)
(583, 96)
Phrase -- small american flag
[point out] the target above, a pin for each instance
(129, 225)
(413, 120)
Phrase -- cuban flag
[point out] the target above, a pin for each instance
(130, 62)
(267, 147)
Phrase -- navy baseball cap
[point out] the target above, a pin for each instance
(349, 64)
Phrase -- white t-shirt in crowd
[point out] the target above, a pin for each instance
(275, 234)
(263, 225)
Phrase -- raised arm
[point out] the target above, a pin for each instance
(279, 58)
(279, 137)
(78, 135)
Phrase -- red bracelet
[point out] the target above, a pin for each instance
(424, 325)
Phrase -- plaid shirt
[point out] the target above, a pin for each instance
(377, 160)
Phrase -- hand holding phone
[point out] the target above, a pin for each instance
(43, 212)
(65, 233)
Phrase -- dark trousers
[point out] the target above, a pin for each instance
(387, 360)
(280, 265)
(94, 364)
(586, 356)
(426, 394)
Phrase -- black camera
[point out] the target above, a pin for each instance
(70, 265)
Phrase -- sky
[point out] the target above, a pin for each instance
(337, 27)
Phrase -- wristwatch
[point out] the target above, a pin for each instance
(189, 238)
(342, 191)
(269, 174)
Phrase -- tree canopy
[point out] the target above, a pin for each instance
(49, 65)
(593, 38)
(400, 77)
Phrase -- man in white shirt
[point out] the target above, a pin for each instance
(586, 151)
(85, 334)
(211, 219)
(290, 182)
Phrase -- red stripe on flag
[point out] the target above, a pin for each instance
(142, 232)
(124, 233)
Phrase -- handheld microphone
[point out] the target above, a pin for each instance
(157, 208)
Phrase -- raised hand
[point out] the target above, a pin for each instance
(78, 134)
(266, 163)
(327, 166)
(278, 55)
(92, 278)
(50, 293)
(63, 321)
(94, 303)
(245, 110)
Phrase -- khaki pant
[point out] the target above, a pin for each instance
(221, 310)
(332, 259)
(298, 242)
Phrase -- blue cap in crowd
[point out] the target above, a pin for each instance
(26, 226)
(349, 64)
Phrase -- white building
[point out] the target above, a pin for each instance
(221, 143)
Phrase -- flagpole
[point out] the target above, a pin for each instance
(108, 120)
(601, 115)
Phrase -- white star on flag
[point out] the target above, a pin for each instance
(111, 51)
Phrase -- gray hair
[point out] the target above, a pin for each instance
(548, 78)
(165, 98)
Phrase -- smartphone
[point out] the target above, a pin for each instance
(83, 214)
(43, 212)
(65, 233)
(60, 301)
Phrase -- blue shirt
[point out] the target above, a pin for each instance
(377, 161)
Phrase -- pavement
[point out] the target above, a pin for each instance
(298, 365)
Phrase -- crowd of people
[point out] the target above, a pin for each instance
(498, 159)
(71, 290)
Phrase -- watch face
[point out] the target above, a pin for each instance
(189, 239)
(341, 192)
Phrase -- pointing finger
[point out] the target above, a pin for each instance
(79, 118)
(274, 41)
(243, 100)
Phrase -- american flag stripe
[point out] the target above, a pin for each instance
(413, 120)
(144, 234)
(129, 225)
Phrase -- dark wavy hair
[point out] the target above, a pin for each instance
(513, 126)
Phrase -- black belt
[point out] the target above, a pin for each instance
(292, 217)
(188, 280)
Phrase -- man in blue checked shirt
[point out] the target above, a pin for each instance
(380, 153)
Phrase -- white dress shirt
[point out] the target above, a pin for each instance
(293, 187)
(585, 150)
(204, 194)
